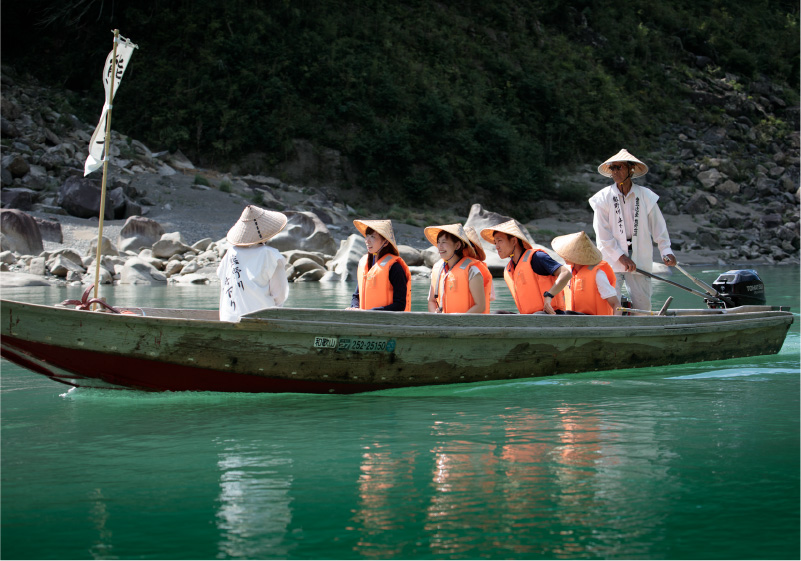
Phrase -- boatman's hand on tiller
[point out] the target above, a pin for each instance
(630, 266)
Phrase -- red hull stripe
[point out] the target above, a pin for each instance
(152, 375)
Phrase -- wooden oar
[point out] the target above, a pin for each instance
(692, 290)
(709, 290)
(662, 312)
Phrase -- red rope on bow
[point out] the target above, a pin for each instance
(85, 302)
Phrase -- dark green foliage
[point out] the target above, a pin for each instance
(479, 99)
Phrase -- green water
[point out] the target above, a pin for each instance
(692, 461)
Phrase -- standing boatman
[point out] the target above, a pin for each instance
(626, 219)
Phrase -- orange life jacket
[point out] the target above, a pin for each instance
(453, 295)
(582, 295)
(485, 272)
(527, 287)
(375, 290)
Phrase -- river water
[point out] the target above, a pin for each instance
(692, 461)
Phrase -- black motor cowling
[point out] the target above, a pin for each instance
(740, 288)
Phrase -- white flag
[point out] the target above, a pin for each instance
(124, 51)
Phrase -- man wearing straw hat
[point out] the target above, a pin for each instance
(533, 277)
(384, 280)
(591, 290)
(626, 219)
(252, 274)
(457, 286)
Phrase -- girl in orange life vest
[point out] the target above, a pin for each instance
(481, 256)
(533, 277)
(384, 280)
(591, 290)
(457, 286)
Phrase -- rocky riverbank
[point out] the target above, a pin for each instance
(729, 191)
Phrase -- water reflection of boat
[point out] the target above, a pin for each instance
(337, 351)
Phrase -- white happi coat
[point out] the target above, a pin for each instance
(611, 234)
(251, 278)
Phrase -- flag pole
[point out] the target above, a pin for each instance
(105, 162)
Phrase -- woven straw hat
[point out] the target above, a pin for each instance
(383, 227)
(432, 233)
(475, 241)
(512, 228)
(255, 226)
(640, 168)
(577, 248)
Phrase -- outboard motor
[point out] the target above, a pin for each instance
(740, 288)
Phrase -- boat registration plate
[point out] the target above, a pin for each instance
(359, 345)
(325, 342)
(366, 345)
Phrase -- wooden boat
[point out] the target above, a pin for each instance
(338, 351)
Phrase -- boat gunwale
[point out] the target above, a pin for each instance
(425, 322)
(608, 328)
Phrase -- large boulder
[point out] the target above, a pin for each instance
(37, 266)
(20, 233)
(313, 275)
(709, 178)
(697, 204)
(304, 265)
(18, 166)
(295, 254)
(728, 187)
(421, 272)
(36, 179)
(89, 277)
(202, 245)
(430, 256)
(66, 253)
(105, 263)
(192, 278)
(81, 197)
(50, 230)
(16, 280)
(305, 231)
(139, 232)
(413, 257)
(342, 267)
(19, 198)
(173, 267)
(170, 244)
(138, 271)
(61, 266)
(480, 219)
(118, 202)
(106, 247)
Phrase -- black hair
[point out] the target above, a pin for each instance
(389, 248)
(515, 238)
(454, 239)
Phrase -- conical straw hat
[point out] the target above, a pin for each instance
(577, 248)
(432, 233)
(475, 241)
(383, 227)
(640, 168)
(255, 226)
(512, 228)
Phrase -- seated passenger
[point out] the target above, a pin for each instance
(252, 274)
(533, 277)
(481, 256)
(384, 280)
(591, 290)
(457, 285)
